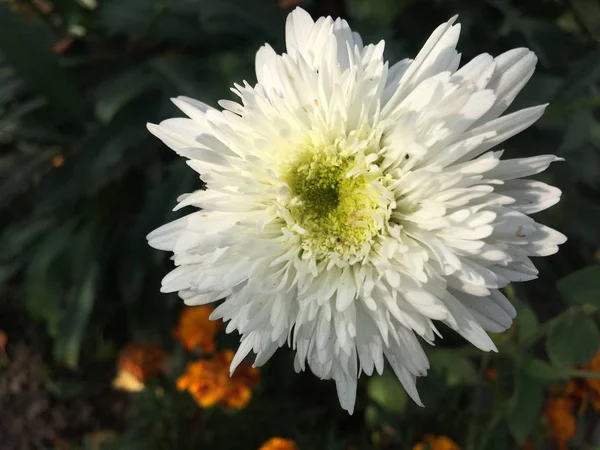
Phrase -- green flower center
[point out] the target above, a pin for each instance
(337, 210)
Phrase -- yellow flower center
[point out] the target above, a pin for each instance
(336, 206)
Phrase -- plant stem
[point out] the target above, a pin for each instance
(574, 373)
(473, 428)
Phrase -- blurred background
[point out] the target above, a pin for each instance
(93, 356)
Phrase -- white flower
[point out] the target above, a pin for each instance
(351, 205)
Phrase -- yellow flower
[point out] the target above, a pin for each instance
(136, 364)
(209, 383)
(561, 420)
(436, 443)
(277, 443)
(195, 330)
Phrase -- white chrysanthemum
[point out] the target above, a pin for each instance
(350, 205)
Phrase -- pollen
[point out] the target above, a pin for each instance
(335, 200)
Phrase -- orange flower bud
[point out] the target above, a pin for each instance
(436, 443)
(277, 443)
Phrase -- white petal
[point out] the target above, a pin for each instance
(435, 57)
(346, 390)
(463, 322)
(513, 70)
(477, 71)
(531, 196)
(298, 27)
(165, 237)
(194, 109)
(503, 128)
(522, 167)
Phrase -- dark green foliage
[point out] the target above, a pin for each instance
(82, 182)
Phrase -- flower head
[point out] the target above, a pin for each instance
(196, 331)
(136, 364)
(209, 383)
(586, 390)
(432, 442)
(277, 443)
(560, 414)
(352, 205)
(594, 383)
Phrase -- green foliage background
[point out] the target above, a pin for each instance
(75, 267)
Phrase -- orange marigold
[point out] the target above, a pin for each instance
(436, 443)
(143, 361)
(594, 366)
(138, 363)
(577, 391)
(209, 383)
(195, 330)
(277, 443)
(561, 420)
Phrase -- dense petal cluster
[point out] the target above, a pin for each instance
(196, 331)
(351, 205)
(209, 383)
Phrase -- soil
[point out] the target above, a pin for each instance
(31, 416)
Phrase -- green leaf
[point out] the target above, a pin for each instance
(458, 369)
(387, 392)
(180, 73)
(582, 74)
(43, 289)
(9, 89)
(16, 181)
(8, 270)
(15, 239)
(581, 287)
(121, 90)
(74, 322)
(542, 371)
(527, 323)
(573, 340)
(578, 132)
(527, 401)
(26, 45)
(133, 17)
(372, 418)
(588, 11)
(65, 389)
